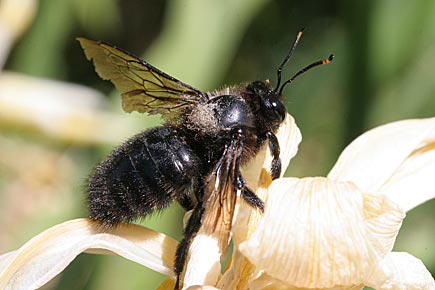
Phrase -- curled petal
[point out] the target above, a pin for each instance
(168, 284)
(47, 254)
(289, 136)
(319, 233)
(257, 174)
(372, 159)
(259, 179)
(413, 183)
(15, 18)
(399, 270)
(204, 264)
(383, 220)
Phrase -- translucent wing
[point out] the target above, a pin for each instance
(220, 198)
(143, 88)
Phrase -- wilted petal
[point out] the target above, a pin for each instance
(318, 233)
(266, 282)
(289, 136)
(383, 220)
(202, 288)
(6, 259)
(168, 284)
(47, 254)
(257, 174)
(401, 271)
(204, 265)
(374, 157)
(62, 110)
(15, 18)
(204, 269)
(413, 182)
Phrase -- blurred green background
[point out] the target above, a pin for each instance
(383, 71)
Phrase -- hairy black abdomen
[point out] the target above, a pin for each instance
(144, 174)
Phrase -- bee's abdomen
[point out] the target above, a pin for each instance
(143, 175)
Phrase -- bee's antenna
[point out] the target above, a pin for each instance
(298, 36)
(305, 69)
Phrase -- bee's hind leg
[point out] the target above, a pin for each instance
(192, 228)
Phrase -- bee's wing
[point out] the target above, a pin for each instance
(220, 198)
(143, 88)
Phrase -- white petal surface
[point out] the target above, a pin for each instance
(202, 288)
(413, 182)
(204, 264)
(372, 159)
(318, 233)
(257, 174)
(266, 282)
(15, 18)
(401, 271)
(62, 110)
(47, 254)
(289, 137)
(383, 220)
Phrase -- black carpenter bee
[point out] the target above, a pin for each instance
(195, 157)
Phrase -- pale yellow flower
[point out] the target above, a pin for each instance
(333, 232)
(15, 17)
(62, 110)
(338, 232)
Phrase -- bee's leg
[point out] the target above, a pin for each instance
(186, 202)
(252, 199)
(275, 168)
(214, 182)
(192, 228)
(240, 183)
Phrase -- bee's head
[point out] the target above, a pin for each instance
(269, 101)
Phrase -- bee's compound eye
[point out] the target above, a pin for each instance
(279, 109)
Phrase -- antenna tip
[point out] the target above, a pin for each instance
(300, 33)
(328, 60)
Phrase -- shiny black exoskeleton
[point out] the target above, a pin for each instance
(195, 157)
(170, 162)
